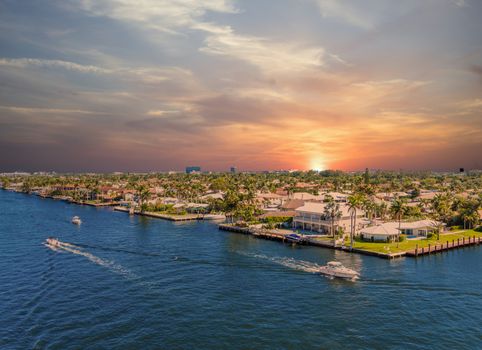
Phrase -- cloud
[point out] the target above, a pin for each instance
(30, 110)
(459, 3)
(268, 56)
(44, 63)
(348, 13)
(182, 16)
(163, 15)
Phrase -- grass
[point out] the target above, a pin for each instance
(387, 248)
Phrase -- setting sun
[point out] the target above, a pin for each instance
(318, 164)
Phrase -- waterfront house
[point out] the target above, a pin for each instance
(390, 231)
(311, 217)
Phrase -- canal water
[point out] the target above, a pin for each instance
(139, 283)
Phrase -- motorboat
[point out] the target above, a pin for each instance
(294, 238)
(76, 220)
(336, 269)
(53, 242)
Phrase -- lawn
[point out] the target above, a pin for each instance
(406, 245)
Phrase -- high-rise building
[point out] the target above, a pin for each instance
(233, 170)
(193, 169)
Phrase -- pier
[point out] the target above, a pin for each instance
(437, 248)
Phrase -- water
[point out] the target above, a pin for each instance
(139, 283)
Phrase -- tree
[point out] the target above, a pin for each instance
(366, 177)
(441, 208)
(468, 211)
(355, 202)
(142, 195)
(398, 208)
(332, 211)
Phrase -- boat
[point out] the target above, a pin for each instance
(336, 269)
(293, 237)
(53, 242)
(76, 220)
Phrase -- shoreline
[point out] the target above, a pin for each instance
(309, 240)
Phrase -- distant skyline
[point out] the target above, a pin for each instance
(159, 85)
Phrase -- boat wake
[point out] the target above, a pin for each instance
(109, 249)
(112, 266)
(294, 264)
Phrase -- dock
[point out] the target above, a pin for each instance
(438, 248)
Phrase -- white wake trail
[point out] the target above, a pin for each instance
(112, 266)
(299, 265)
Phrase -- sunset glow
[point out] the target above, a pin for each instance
(316, 84)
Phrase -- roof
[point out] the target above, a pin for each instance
(305, 196)
(386, 229)
(268, 195)
(319, 208)
(391, 228)
(293, 204)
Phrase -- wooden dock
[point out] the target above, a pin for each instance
(441, 247)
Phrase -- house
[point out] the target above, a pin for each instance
(390, 231)
(311, 216)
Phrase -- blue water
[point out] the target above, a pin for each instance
(139, 283)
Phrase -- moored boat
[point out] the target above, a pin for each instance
(336, 269)
(293, 237)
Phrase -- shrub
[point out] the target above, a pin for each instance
(402, 238)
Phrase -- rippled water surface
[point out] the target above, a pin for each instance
(138, 283)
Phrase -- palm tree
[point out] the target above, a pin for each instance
(142, 195)
(332, 211)
(398, 208)
(469, 212)
(354, 202)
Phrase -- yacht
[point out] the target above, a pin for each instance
(336, 269)
(76, 220)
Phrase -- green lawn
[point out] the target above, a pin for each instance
(395, 247)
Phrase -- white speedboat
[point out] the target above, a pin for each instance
(336, 269)
(53, 242)
(76, 220)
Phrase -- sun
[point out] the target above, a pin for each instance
(317, 164)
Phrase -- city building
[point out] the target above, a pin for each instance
(193, 169)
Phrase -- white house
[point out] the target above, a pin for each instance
(311, 217)
(390, 231)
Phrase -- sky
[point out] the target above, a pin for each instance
(157, 85)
